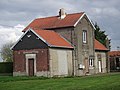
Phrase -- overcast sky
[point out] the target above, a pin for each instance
(17, 14)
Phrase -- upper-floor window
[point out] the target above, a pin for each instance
(84, 36)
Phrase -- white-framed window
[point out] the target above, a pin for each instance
(91, 62)
(84, 36)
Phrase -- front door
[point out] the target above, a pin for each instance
(31, 67)
(99, 66)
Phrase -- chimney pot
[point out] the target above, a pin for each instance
(62, 13)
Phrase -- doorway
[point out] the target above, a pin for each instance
(117, 63)
(30, 64)
(99, 66)
(31, 67)
(86, 65)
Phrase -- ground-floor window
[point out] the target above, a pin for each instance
(91, 62)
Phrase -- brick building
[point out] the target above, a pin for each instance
(114, 58)
(78, 30)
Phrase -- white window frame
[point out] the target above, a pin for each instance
(91, 62)
(84, 36)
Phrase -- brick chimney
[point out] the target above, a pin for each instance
(62, 13)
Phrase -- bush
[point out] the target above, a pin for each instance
(6, 67)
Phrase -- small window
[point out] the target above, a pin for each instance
(91, 62)
(84, 36)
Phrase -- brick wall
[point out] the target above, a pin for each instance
(19, 64)
(42, 61)
(18, 61)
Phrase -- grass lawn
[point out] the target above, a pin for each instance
(95, 82)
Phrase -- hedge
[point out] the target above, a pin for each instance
(6, 67)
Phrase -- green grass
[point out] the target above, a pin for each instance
(96, 82)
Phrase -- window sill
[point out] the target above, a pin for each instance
(91, 67)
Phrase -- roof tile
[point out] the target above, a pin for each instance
(54, 22)
(99, 46)
(114, 53)
(53, 38)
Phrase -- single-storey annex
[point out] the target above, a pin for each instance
(101, 57)
(42, 53)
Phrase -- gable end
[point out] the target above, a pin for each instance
(81, 18)
(29, 41)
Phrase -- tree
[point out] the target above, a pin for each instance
(101, 36)
(6, 52)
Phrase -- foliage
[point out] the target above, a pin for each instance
(6, 67)
(95, 82)
(6, 52)
(101, 36)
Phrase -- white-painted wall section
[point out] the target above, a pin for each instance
(60, 62)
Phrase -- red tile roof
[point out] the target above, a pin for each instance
(99, 46)
(53, 39)
(114, 53)
(54, 22)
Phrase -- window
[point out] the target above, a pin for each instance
(84, 36)
(91, 62)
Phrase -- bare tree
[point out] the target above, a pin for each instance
(6, 52)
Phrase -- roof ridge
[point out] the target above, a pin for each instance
(58, 15)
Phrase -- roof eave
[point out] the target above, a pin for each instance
(64, 47)
(79, 19)
(57, 27)
(101, 50)
(19, 39)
